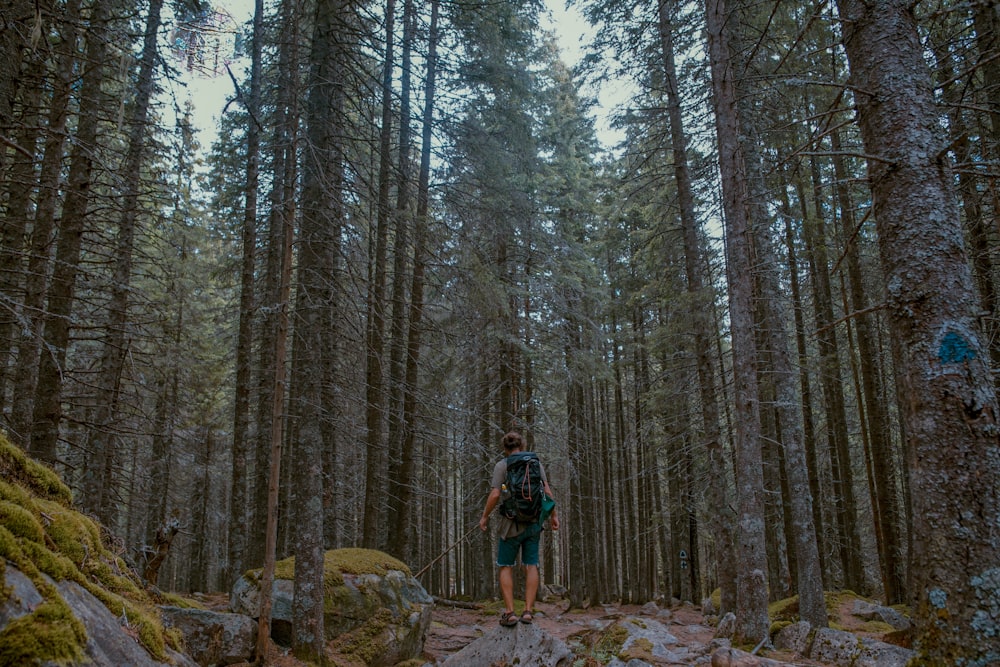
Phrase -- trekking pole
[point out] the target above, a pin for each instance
(446, 551)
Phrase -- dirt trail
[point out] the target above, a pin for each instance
(453, 628)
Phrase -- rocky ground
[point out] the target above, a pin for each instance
(454, 628)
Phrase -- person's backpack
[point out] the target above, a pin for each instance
(525, 488)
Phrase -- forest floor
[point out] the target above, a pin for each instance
(453, 628)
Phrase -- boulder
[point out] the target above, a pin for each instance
(522, 645)
(213, 638)
(648, 639)
(110, 641)
(794, 637)
(374, 608)
(731, 657)
(727, 626)
(847, 650)
(870, 611)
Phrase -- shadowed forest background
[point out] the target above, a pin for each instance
(754, 342)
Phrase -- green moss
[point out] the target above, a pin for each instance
(41, 480)
(143, 619)
(9, 546)
(14, 493)
(363, 643)
(40, 533)
(21, 522)
(778, 626)
(641, 649)
(716, 598)
(338, 562)
(55, 565)
(174, 638)
(784, 610)
(175, 600)
(49, 634)
(5, 590)
(363, 561)
(610, 641)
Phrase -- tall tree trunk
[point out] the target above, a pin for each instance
(951, 408)
(17, 18)
(276, 432)
(805, 386)
(238, 514)
(19, 187)
(751, 590)
(832, 382)
(720, 512)
(892, 546)
(376, 461)
(98, 478)
(322, 218)
(280, 217)
(415, 324)
(400, 470)
(47, 408)
(576, 512)
(40, 250)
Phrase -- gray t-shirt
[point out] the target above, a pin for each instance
(508, 528)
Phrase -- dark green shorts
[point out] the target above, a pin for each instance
(526, 543)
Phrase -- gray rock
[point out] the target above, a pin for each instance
(870, 611)
(708, 608)
(864, 609)
(847, 650)
(727, 626)
(523, 645)
(731, 657)
(651, 631)
(894, 618)
(23, 598)
(794, 637)
(634, 662)
(213, 638)
(351, 606)
(108, 644)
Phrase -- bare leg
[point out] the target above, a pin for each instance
(530, 586)
(507, 586)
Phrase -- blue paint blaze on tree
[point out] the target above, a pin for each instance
(955, 349)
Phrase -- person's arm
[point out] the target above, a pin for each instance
(491, 504)
(553, 517)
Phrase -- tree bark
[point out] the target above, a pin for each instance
(892, 546)
(720, 512)
(376, 461)
(951, 408)
(844, 500)
(751, 590)
(98, 478)
(40, 248)
(47, 408)
(238, 506)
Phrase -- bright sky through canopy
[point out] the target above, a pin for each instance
(209, 94)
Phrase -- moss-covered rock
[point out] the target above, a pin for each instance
(373, 608)
(48, 541)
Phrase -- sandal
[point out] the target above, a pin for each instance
(528, 616)
(508, 619)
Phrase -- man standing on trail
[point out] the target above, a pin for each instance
(517, 536)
